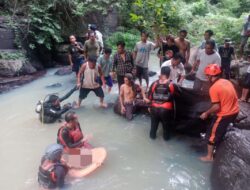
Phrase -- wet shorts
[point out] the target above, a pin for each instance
(129, 110)
(109, 81)
(141, 72)
(85, 91)
(218, 128)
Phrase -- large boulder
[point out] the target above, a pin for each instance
(11, 68)
(189, 105)
(231, 168)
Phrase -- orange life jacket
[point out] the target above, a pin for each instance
(75, 135)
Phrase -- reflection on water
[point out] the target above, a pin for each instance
(134, 161)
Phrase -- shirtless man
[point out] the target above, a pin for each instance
(184, 46)
(128, 92)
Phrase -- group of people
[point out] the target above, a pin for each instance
(95, 67)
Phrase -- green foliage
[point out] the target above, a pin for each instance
(12, 55)
(43, 28)
(160, 16)
(130, 37)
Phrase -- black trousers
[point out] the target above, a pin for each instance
(164, 116)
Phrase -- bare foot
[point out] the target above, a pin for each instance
(76, 106)
(103, 105)
(206, 159)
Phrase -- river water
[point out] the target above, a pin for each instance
(133, 162)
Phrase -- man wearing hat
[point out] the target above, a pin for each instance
(227, 53)
(224, 109)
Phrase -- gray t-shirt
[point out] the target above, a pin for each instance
(143, 51)
(105, 64)
(205, 60)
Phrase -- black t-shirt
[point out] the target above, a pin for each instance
(166, 47)
(74, 51)
(226, 54)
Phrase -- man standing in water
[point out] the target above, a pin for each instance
(90, 72)
(184, 46)
(105, 61)
(141, 55)
(161, 94)
(123, 63)
(224, 104)
(128, 93)
(75, 54)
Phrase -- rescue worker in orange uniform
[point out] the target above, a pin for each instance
(161, 94)
(224, 105)
(70, 134)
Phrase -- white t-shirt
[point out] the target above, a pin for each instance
(176, 71)
(99, 37)
(205, 60)
(248, 69)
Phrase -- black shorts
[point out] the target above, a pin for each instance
(85, 91)
(141, 72)
(218, 128)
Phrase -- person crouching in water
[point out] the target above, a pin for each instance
(90, 73)
(161, 94)
(70, 135)
(225, 106)
(52, 171)
(128, 93)
(51, 110)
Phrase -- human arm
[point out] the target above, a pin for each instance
(121, 98)
(70, 59)
(187, 53)
(214, 108)
(195, 65)
(68, 94)
(181, 74)
(145, 99)
(79, 76)
(60, 174)
(101, 76)
(79, 47)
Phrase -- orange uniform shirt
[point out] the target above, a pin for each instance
(223, 92)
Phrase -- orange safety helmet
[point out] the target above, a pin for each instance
(212, 70)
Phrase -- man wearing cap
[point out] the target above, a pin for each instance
(227, 53)
(224, 105)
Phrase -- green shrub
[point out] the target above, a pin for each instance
(12, 55)
(130, 37)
